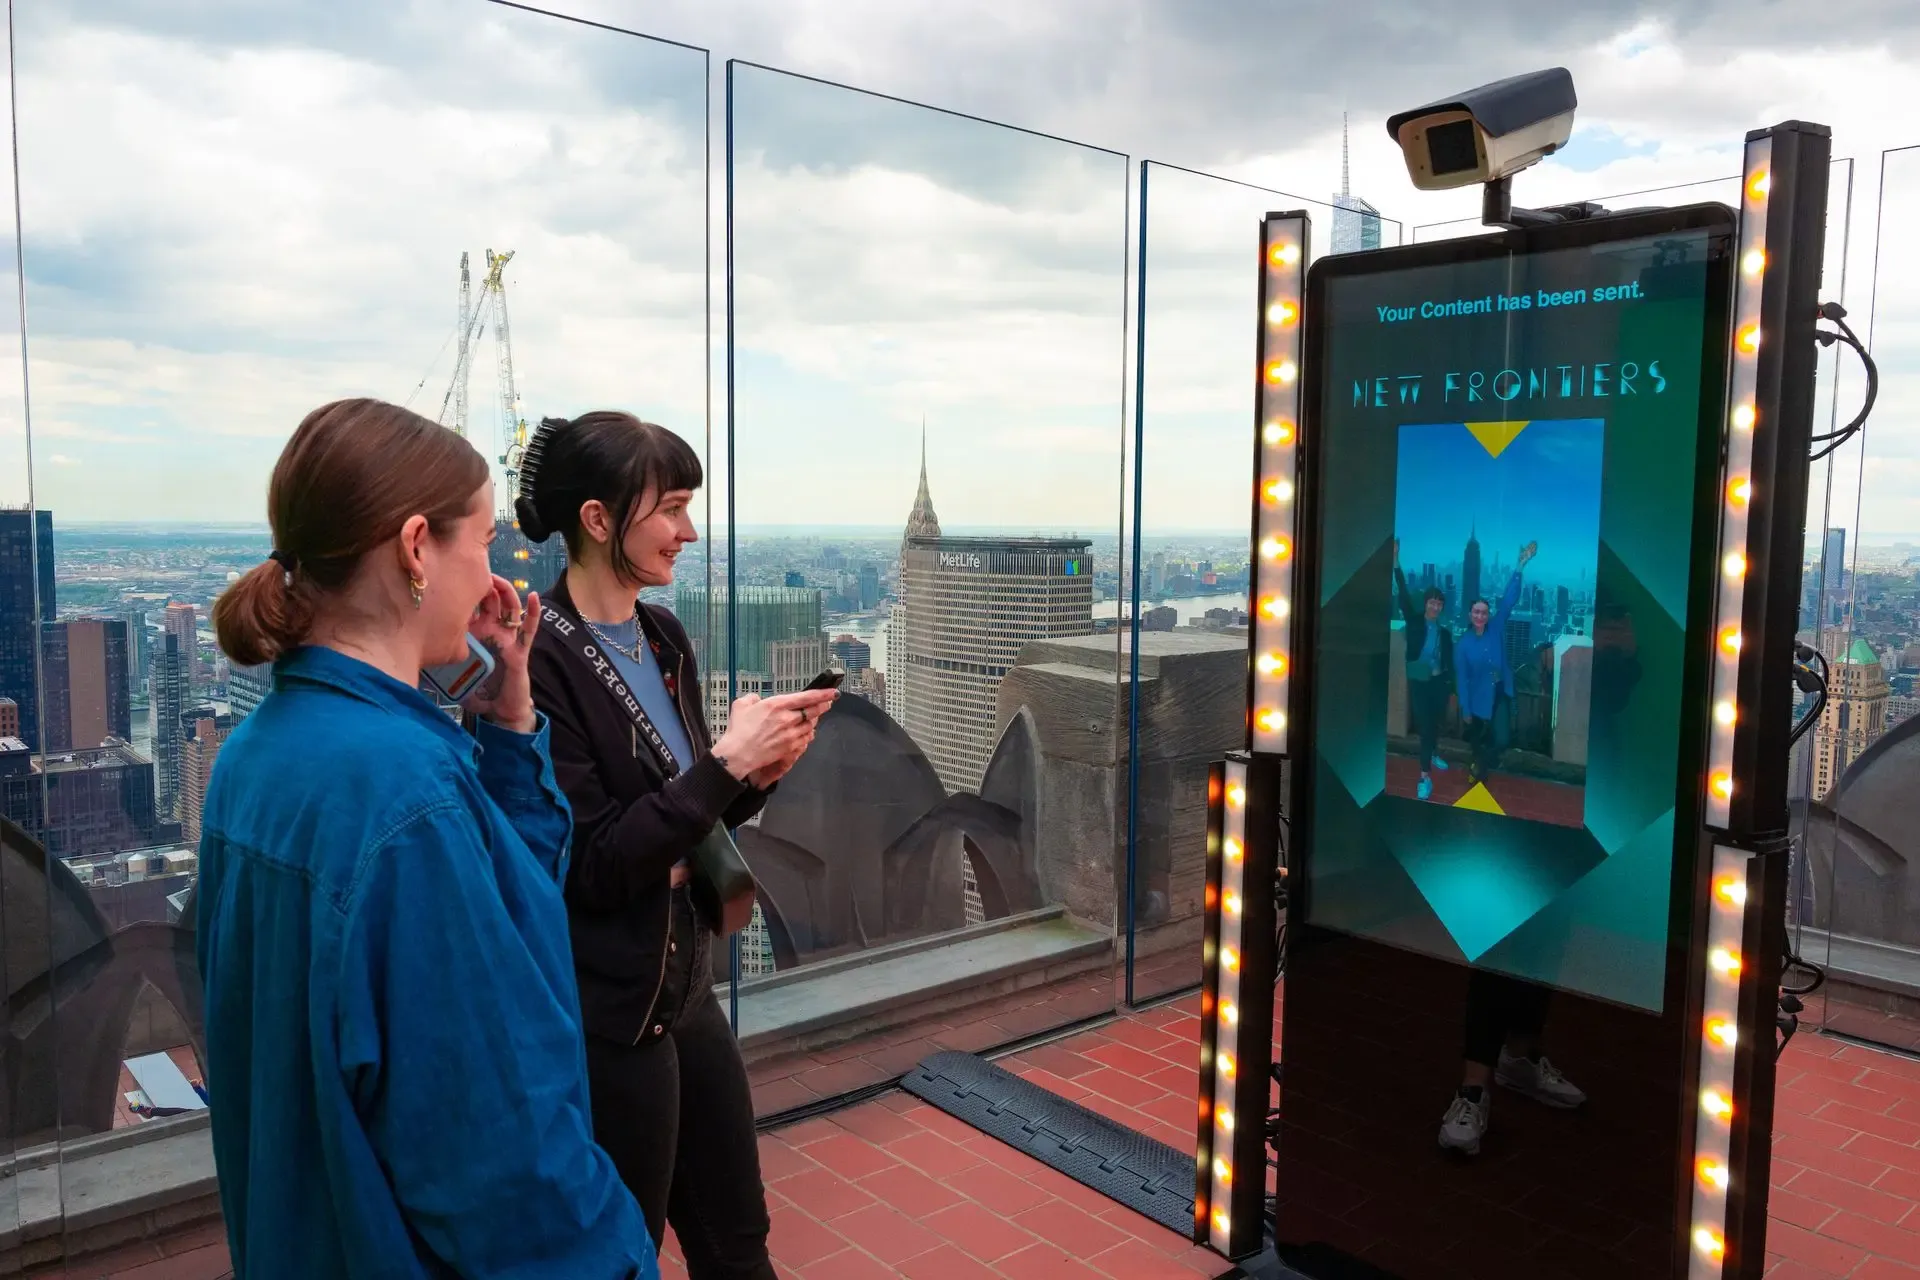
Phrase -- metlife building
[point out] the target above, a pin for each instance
(967, 607)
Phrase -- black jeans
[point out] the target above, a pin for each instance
(1429, 700)
(676, 1115)
(1498, 1007)
(1489, 737)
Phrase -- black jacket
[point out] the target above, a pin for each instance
(1415, 613)
(631, 823)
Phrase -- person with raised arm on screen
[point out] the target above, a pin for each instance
(1484, 678)
(1429, 665)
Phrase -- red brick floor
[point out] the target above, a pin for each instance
(895, 1188)
(1533, 798)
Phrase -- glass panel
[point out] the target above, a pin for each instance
(928, 360)
(27, 1112)
(293, 202)
(1863, 749)
(1188, 586)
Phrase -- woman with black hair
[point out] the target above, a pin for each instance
(617, 682)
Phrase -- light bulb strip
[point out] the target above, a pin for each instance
(1720, 972)
(1736, 487)
(1207, 1142)
(1283, 274)
(1226, 986)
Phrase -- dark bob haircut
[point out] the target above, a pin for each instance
(1434, 593)
(605, 455)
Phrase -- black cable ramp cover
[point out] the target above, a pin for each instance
(1146, 1175)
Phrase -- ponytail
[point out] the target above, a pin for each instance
(262, 616)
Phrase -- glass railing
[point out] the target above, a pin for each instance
(1186, 590)
(24, 1116)
(220, 234)
(1859, 895)
(927, 361)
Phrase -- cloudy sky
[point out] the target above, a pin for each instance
(236, 210)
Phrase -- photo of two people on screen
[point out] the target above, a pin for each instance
(1497, 534)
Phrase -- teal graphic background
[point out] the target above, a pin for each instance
(1585, 909)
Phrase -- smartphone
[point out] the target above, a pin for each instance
(455, 680)
(828, 679)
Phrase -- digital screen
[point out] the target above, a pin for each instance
(1509, 452)
(1451, 148)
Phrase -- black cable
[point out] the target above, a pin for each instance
(1809, 681)
(1836, 314)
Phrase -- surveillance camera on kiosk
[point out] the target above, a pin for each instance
(1489, 133)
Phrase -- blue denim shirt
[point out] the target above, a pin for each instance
(394, 1058)
(1480, 667)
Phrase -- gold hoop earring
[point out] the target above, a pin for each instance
(419, 586)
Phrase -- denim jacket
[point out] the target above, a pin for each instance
(394, 1058)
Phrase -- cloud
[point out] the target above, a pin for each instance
(235, 211)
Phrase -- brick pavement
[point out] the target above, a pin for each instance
(895, 1188)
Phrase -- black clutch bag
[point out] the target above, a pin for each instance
(722, 884)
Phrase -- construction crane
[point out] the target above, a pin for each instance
(472, 325)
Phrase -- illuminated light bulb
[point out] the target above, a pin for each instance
(1282, 313)
(522, 554)
(1230, 960)
(1213, 897)
(1708, 1241)
(1206, 1003)
(1278, 491)
(1226, 1065)
(1759, 184)
(1284, 255)
(1236, 795)
(1224, 1172)
(1725, 712)
(1719, 1030)
(1740, 491)
(1233, 849)
(1755, 262)
(1274, 607)
(1271, 721)
(519, 584)
(1279, 431)
(1229, 1013)
(1233, 904)
(1735, 564)
(1715, 1104)
(1743, 417)
(1282, 371)
(1205, 1108)
(1731, 891)
(1270, 664)
(1725, 961)
(1276, 548)
(1730, 640)
(1220, 1221)
(1225, 1120)
(1722, 784)
(1714, 1174)
(1749, 338)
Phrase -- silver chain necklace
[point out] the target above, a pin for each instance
(616, 646)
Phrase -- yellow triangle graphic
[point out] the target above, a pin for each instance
(1495, 436)
(1480, 798)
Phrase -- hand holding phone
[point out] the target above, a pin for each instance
(828, 679)
(455, 680)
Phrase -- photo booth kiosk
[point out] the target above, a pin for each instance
(1512, 814)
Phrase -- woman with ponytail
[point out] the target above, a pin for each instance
(618, 684)
(394, 1059)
